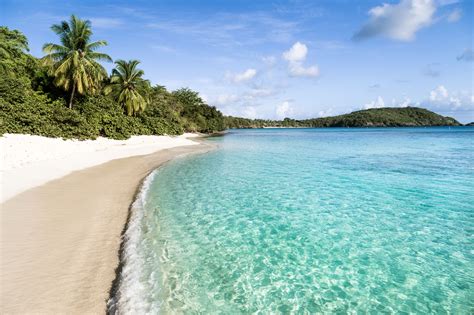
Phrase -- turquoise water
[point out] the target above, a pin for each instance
(309, 221)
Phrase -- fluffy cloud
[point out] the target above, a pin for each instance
(296, 53)
(467, 55)
(284, 110)
(439, 94)
(457, 103)
(440, 98)
(398, 21)
(242, 77)
(378, 102)
(295, 56)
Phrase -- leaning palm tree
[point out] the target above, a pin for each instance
(75, 62)
(128, 87)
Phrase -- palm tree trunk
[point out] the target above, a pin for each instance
(72, 95)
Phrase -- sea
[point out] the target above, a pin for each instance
(307, 221)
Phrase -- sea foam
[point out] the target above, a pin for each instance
(130, 293)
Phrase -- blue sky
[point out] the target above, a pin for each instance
(273, 59)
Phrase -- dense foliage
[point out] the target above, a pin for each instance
(376, 117)
(34, 101)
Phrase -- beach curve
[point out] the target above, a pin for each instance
(60, 241)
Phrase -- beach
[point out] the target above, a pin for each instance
(60, 240)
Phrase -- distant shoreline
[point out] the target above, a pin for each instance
(60, 241)
(361, 127)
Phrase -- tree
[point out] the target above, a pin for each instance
(199, 116)
(13, 45)
(128, 87)
(188, 97)
(74, 63)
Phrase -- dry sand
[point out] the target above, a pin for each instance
(60, 241)
(28, 161)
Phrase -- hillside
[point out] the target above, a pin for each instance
(377, 117)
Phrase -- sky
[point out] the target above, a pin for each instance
(276, 59)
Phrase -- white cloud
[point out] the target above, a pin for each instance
(101, 22)
(284, 110)
(378, 102)
(439, 94)
(295, 56)
(398, 21)
(455, 15)
(440, 98)
(296, 53)
(297, 70)
(405, 103)
(242, 77)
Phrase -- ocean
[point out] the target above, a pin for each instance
(304, 221)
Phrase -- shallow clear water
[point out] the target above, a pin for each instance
(315, 220)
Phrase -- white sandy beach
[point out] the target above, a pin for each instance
(63, 215)
(28, 161)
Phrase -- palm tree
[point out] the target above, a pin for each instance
(74, 63)
(128, 87)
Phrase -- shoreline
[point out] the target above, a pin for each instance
(60, 242)
(116, 289)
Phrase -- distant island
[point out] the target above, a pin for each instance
(376, 117)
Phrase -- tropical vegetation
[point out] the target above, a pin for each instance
(68, 93)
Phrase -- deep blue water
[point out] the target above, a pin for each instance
(309, 221)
